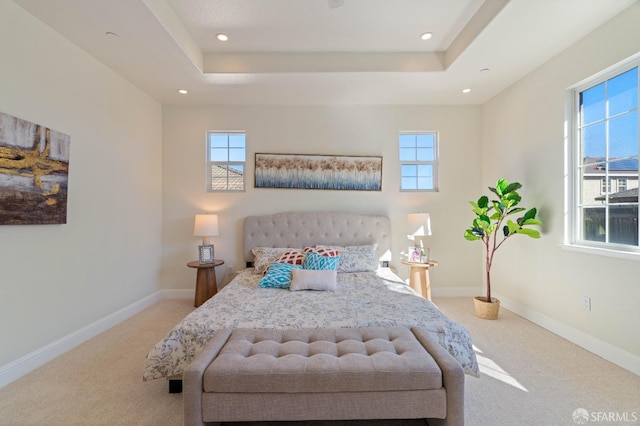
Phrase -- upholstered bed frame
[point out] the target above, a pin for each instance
(300, 229)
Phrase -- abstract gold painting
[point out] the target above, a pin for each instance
(34, 173)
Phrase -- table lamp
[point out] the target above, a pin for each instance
(419, 228)
(206, 225)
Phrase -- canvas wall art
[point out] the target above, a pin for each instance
(318, 172)
(34, 173)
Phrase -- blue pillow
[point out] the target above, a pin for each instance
(317, 261)
(278, 276)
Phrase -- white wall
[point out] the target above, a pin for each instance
(340, 130)
(523, 140)
(57, 279)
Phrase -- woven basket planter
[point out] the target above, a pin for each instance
(485, 309)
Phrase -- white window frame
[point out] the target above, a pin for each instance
(210, 163)
(573, 154)
(434, 163)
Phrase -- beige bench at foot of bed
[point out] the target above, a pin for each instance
(323, 374)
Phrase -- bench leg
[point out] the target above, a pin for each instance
(175, 386)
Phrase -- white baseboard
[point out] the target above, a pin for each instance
(611, 353)
(18, 368)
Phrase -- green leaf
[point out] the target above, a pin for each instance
(501, 187)
(513, 197)
(483, 202)
(482, 221)
(513, 226)
(513, 187)
(516, 210)
(472, 234)
(531, 222)
(531, 214)
(529, 232)
(505, 231)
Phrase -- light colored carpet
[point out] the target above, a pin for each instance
(530, 377)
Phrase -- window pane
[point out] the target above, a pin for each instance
(236, 154)
(409, 183)
(425, 154)
(236, 140)
(409, 170)
(623, 225)
(218, 140)
(623, 136)
(219, 154)
(425, 170)
(592, 104)
(425, 141)
(593, 224)
(594, 140)
(425, 183)
(407, 154)
(236, 177)
(623, 92)
(407, 141)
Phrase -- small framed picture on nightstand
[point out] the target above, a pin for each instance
(414, 254)
(206, 254)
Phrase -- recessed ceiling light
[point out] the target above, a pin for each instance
(426, 36)
(484, 70)
(222, 37)
(466, 90)
(111, 34)
(182, 91)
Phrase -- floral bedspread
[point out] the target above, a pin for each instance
(363, 299)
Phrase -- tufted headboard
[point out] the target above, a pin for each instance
(301, 229)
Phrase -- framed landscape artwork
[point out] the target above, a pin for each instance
(318, 172)
(34, 170)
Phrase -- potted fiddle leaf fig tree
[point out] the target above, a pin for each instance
(493, 227)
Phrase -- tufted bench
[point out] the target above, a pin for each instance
(323, 374)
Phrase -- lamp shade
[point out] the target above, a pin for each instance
(419, 224)
(206, 225)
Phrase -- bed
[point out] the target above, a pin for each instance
(366, 294)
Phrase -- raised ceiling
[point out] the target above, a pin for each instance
(311, 52)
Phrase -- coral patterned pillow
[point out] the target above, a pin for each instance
(294, 257)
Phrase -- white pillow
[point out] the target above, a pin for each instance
(312, 279)
(357, 258)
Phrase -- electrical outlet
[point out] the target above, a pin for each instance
(586, 303)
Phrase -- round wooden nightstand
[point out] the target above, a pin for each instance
(206, 284)
(419, 277)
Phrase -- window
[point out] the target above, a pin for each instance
(226, 157)
(605, 161)
(418, 161)
(622, 185)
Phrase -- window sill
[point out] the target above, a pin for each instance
(600, 251)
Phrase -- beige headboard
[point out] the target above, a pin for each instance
(302, 229)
